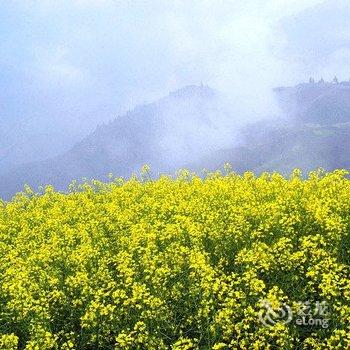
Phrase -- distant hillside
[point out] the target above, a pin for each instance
(319, 103)
(305, 146)
(167, 134)
(33, 139)
(313, 132)
(196, 128)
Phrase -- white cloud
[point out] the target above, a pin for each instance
(95, 3)
(277, 9)
(122, 50)
(338, 63)
(53, 66)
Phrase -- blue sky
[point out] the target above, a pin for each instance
(81, 62)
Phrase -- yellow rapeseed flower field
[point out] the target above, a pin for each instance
(177, 263)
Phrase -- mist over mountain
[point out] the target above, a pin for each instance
(316, 102)
(61, 76)
(312, 132)
(167, 134)
(18, 145)
(198, 128)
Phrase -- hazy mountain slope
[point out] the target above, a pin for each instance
(315, 132)
(194, 127)
(167, 134)
(30, 140)
(321, 103)
(306, 147)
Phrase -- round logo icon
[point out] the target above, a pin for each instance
(269, 316)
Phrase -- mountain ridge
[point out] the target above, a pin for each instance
(195, 127)
(165, 134)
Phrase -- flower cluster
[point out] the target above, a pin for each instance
(175, 263)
